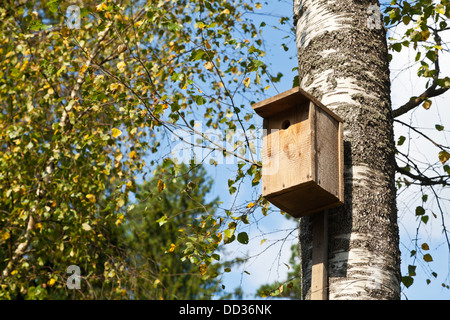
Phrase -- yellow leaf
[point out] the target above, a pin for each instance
(209, 65)
(208, 46)
(250, 205)
(444, 156)
(280, 288)
(226, 11)
(90, 197)
(161, 185)
(13, 272)
(120, 219)
(122, 48)
(5, 235)
(133, 154)
(440, 8)
(258, 5)
(116, 132)
(115, 86)
(172, 247)
(203, 268)
(83, 68)
(102, 6)
(425, 34)
(427, 104)
(121, 66)
(266, 88)
(51, 282)
(247, 82)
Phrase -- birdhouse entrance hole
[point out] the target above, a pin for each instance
(285, 124)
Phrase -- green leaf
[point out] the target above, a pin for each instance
(172, 26)
(397, 47)
(416, 36)
(161, 221)
(257, 178)
(406, 20)
(407, 281)
(243, 237)
(420, 211)
(200, 100)
(418, 54)
(229, 236)
(411, 270)
(439, 127)
(197, 55)
(431, 55)
(244, 219)
(295, 82)
(53, 5)
(401, 140)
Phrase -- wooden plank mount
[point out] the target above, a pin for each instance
(319, 272)
(303, 162)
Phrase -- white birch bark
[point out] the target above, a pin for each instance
(343, 62)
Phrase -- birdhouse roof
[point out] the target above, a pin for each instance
(285, 100)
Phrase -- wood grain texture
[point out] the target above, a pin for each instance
(319, 275)
(302, 153)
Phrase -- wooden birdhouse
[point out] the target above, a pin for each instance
(302, 155)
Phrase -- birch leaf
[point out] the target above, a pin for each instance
(427, 104)
(427, 258)
(209, 65)
(161, 185)
(116, 132)
(91, 198)
(86, 226)
(444, 156)
(247, 82)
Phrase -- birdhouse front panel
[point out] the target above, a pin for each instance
(302, 153)
(284, 148)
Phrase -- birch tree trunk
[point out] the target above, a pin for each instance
(343, 61)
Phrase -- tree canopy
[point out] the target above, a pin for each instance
(97, 95)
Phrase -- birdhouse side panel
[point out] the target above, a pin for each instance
(328, 152)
